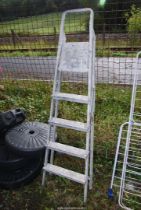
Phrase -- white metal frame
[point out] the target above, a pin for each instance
(88, 176)
(133, 129)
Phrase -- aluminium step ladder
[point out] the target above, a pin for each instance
(126, 175)
(73, 57)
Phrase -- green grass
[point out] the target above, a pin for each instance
(43, 24)
(29, 45)
(112, 109)
(99, 53)
(27, 54)
(36, 48)
(50, 24)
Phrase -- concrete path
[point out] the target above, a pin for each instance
(108, 70)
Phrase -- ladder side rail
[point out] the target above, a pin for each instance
(134, 89)
(91, 57)
(92, 116)
(93, 74)
(62, 39)
(88, 140)
(57, 78)
(91, 30)
(60, 45)
(51, 113)
(54, 109)
(58, 85)
(87, 149)
(90, 96)
(55, 83)
(94, 79)
(90, 74)
(45, 163)
(93, 68)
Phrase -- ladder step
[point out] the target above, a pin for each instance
(69, 174)
(66, 149)
(71, 97)
(69, 124)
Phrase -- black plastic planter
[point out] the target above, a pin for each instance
(28, 139)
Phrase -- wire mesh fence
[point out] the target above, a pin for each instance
(28, 48)
(29, 44)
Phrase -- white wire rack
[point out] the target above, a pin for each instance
(126, 177)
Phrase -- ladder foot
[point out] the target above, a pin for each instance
(90, 185)
(52, 157)
(85, 192)
(43, 178)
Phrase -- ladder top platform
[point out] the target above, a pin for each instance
(75, 57)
